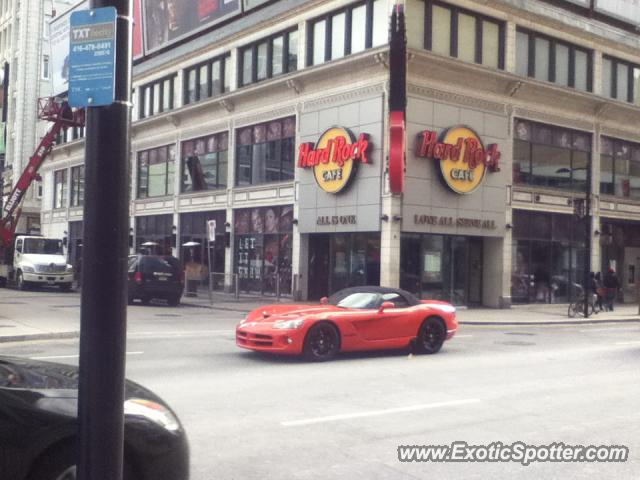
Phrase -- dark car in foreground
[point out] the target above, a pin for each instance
(38, 426)
(357, 318)
(155, 277)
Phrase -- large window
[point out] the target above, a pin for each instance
(204, 163)
(619, 168)
(157, 97)
(545, 58)
(548, 254)
(77, 186)
(263, 248)
(621, 80)
(268, 58)
(350, 30)
(154, 234)
(548, 156)
(207, 79)
(60, 189)
(155, 171)
(266, 152)
(462, 34)
(69, 135)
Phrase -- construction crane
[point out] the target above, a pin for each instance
(62, 116)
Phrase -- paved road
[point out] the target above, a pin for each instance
(254, 417)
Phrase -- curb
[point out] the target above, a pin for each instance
(215, 307)
(555, 322)
(39, 336)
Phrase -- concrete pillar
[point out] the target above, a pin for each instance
(390, 233)
(229, 260)
(510, 47)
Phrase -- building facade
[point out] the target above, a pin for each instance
(24, 46)
(275, 125)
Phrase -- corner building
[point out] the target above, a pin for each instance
(275, 124)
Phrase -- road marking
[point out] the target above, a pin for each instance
(613, 327)
(377, 413)
(462, 336)
(628, 343)
(54, 357)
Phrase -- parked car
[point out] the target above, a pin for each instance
(38, 426)
(359, 318)
(155, 276)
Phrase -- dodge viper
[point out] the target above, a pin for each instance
(38, 425)
(358, 318)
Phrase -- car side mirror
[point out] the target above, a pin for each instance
(324, 301)
(386, 305)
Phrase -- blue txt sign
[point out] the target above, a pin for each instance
(92, 46)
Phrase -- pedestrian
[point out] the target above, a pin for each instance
(611, 285)
(600, 290)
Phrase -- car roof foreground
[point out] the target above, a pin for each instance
(341, 294)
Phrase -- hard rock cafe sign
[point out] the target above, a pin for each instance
(334, 157)
(464, 161)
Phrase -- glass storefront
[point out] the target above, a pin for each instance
(195, 247)
(442, 267)
(341, 260)
(154, 234)
(548, 256)
(263, 249)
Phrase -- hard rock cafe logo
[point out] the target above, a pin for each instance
(463, 159)
(334, 157)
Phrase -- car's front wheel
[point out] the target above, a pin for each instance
(22, 285)
(322, 342)
(431, 336)
(59, 464)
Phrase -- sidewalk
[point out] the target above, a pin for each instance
(16, 330)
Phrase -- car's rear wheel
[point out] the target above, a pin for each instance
(431, 336)
(322, 342)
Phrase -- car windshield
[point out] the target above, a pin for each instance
(362, 300)
(47, 246)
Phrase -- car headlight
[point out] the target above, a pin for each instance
(28, 269)
(69, 268)
(153, 411)
(288, 324)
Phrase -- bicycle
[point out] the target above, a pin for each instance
(577, 306)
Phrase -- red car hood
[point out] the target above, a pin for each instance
(273, 313)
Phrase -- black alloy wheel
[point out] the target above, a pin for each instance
(431, 336)
(321, 343)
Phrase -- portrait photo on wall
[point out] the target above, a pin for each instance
(264, 220)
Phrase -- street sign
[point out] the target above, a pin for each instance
(92, 49)
(211, 230)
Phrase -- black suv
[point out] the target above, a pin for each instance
(153, 276)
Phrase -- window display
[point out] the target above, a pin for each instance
(263, 248)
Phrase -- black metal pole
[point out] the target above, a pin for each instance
(103, 311)
(587, 232)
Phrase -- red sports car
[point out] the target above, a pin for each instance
(359, 318)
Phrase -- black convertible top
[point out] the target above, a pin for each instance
(345, 292)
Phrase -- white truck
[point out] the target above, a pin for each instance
(34, 260)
